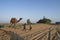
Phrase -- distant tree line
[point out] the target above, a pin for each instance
(43, 20)
(57, 23)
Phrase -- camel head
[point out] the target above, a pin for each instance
(19, 20)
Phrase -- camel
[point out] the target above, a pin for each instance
(13, 21)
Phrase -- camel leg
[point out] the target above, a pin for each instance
(10, 25)
(14, 25)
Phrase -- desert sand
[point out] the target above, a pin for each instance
(20, 34)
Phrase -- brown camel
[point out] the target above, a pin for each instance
(13, 21)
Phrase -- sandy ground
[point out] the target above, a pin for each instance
(19, 33)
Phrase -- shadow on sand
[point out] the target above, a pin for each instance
(12, 35)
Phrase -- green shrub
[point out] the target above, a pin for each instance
(1, 26)
(44, 20)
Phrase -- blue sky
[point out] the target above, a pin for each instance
(33, 9)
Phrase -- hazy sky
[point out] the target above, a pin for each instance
(33, 9)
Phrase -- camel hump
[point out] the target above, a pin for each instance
(13, 20)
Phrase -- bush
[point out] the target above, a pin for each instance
(1, 26)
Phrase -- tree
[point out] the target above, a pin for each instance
(57, 23)
(44, 20)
